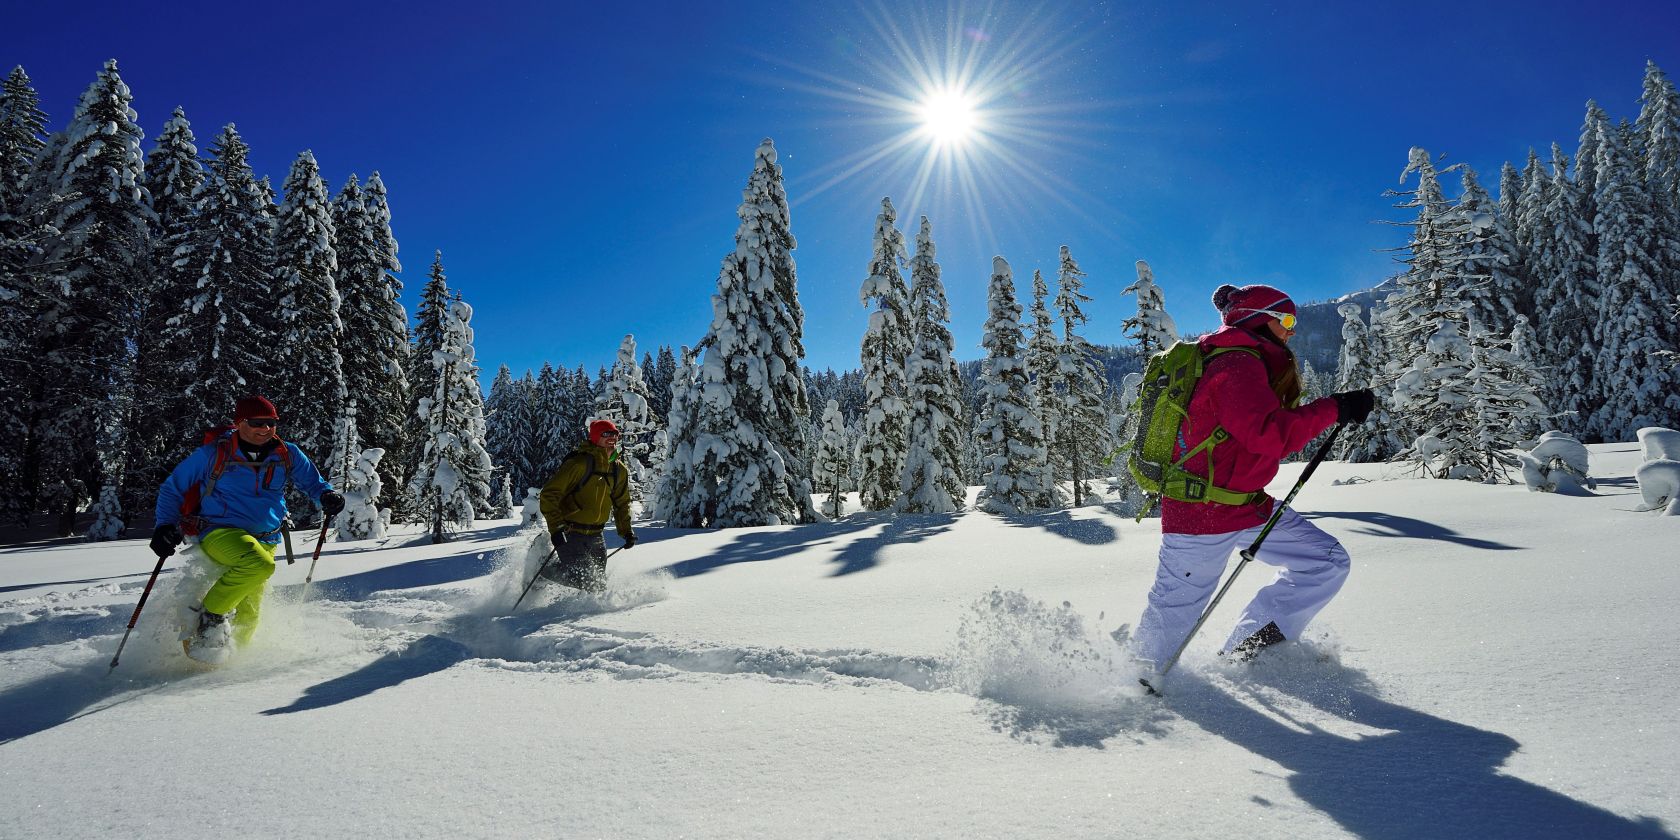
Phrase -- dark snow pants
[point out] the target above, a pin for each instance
(580, 561)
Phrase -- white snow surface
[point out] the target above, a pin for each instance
(1501, 664)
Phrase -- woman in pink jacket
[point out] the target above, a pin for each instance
(1253, 396)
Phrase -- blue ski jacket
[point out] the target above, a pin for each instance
(248, 495)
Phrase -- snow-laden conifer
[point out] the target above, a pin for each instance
(375, 348)
(1435, 394)
(362, 518)
(1083, 435)
(1152, 327)
(103, 245)
(750, 464)
(1011, 440)
(308, 371)
(933, 481)
(1633, 387)
(107, 516)
(1360, 367)
(452, 482)
(886, 348)
(832, 464)
(1043, 368)
(1490, 264)
(1566, 298)
(624, 401)
(1658, 128)
(676, 484)
(23, 127)
(22, 230)
(513, 436)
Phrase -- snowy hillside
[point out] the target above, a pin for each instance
(1500, 664)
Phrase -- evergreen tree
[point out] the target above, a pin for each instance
(510, 431)
(1360, 367)
(1435, 392)
(933, 481)
(677, 492)
(832, 464)
(421, 377)
(375, 346)
(663, 374)
(22, 231)
(624, 400)
(1083, 437)
(103, 244)
(557, 433)
(308, 371)
(1633, 389)
(1489, 262)
(753, 404)
(222, 355)
(1043, 369)
(1152, 327)
(1659, 135)
(1566, 299)
(452, 483)
(1011, 440)
(886, 348)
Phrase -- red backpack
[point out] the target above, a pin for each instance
(191, 523)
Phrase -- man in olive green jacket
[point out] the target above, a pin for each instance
(590, 485)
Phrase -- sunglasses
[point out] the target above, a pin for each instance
(609, 436)
(263, 423)
(1286, 319)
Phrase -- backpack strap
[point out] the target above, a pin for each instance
(1196, 489)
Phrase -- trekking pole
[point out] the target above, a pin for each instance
(540, 566)
(308, 578)
(286, 534)
(135, 618)
(1248, 553)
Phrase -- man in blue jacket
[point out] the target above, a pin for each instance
(231, 493)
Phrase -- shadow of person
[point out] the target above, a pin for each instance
(1424, 776)
(427, 655)
(1390, 525)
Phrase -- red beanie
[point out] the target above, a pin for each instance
(599, 428)
(1240, 305)
(252, 408)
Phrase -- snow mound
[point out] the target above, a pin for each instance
(1658, 442)
(1659, 485)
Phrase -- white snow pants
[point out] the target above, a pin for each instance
(1312, 566)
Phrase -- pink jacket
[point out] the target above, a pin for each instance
(1235, 393)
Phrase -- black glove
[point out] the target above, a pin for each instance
(558, 535)
(1354, 406)
(165, 538)
(332, 502)
(629, 540)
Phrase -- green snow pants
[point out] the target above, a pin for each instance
(240, 589)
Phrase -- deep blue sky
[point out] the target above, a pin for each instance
(579, 165)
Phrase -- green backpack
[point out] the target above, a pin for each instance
(1163, 405)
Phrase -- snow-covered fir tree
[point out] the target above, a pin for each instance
(660, 376)
(421, 376)
(362, 518)
(107, 516)
(307, 370)
(375, 346)
(832, 465)
(103, 245)
(749, 463)
(886, 348)
(222, 355)
(22, 231)
(1636, 252)
(1658, 128)
(557, 435)
(1043, 367)
(1435, 393)
(676, 484)
(1506, 394)
(1360, 367)
(514, 437)
(624, 400)
(1490, 263)
(1011, 440)
(1152, 327)
(1083, 437)
(933, 481)
(173, 176)
(1566, 298)
(452, 483)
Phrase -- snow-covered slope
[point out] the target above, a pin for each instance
(1500, 664)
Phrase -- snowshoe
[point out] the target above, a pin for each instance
(1248, 648)
(211, 642)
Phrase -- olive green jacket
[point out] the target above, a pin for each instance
(603, 489)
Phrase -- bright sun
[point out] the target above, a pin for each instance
(948, 117)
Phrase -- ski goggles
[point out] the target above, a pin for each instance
(1286, 319)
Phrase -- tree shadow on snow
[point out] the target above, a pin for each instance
(55, 629)
(434, 571)
(427, 655)
(21, 586)
(1091, 532)
(1424, 777)
(1390, 525)
(856, 555)
(42, 704)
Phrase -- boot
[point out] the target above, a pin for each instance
(212, 643)
(1250, 647)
